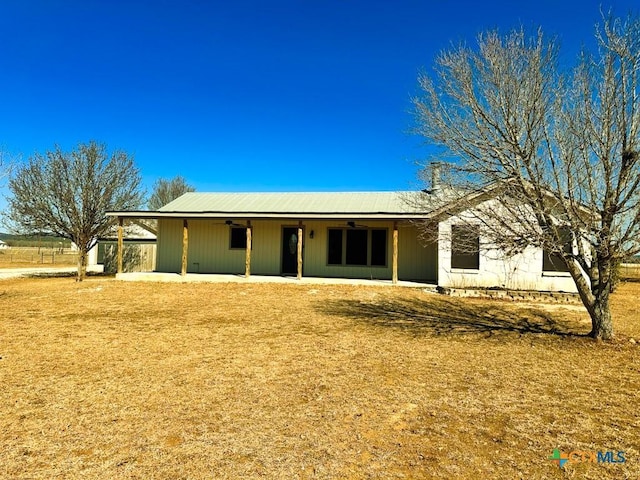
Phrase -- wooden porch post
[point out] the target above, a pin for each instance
(185, 246)
(299, 249)
(247, 261)
(394, 274)
(120, 243)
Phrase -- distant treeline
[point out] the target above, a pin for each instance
(46, 241)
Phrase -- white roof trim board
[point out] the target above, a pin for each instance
(131, 232)
(382, 205)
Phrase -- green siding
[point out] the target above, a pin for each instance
(316, 253)
(265, 255)
(209, 250)
(415, 260)
(169, 245)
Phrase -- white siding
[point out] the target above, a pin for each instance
(522, 272)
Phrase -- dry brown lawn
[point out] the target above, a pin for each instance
(118, 380)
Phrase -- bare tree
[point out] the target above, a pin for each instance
(558, 151)
(68, 194)
(6, 163)
(164, 191)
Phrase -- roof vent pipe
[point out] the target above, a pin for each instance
(436, 175)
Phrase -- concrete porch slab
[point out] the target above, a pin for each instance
(229, 278)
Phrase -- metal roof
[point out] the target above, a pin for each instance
(324, 202)
(384, 205)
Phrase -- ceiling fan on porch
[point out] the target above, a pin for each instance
(355, 225)
(231, 223)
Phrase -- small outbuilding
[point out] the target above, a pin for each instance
(139, 248)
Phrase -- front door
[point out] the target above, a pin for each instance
(289, 251)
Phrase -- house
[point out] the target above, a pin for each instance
(369, 235)
(3, 245)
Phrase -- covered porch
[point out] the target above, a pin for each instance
(367, 235)
(378, 250)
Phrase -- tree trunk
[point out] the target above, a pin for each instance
(82, 265)
(595, 297)
(601, 322)
(615, 276)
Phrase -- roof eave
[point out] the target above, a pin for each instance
(272, 215)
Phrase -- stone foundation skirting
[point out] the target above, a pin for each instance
(513, 295)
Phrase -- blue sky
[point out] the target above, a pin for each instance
(246, 95)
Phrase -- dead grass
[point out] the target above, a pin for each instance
(108, 379)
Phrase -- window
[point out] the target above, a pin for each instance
(552, 261)
(101, 253)
(238, 237)
(358, 247)
(465, 246)
(378, 248)
(334, 256)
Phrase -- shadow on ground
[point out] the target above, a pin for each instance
(438, 316)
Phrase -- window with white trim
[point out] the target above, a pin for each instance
(552, 261)
(465, 247)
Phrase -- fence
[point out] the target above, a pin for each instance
(37, 256)
(630, 271)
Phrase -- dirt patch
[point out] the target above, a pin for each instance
(109, 379)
